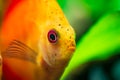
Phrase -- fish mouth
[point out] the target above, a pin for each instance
(72, 48)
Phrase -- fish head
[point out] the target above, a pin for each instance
(57, 40)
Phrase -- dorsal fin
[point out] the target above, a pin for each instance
(19, 50)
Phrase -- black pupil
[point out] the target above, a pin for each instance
(52, 36)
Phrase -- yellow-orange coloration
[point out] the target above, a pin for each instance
(27, 25)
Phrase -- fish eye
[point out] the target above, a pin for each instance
(52, 36)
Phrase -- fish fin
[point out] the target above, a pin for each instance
(19, 50)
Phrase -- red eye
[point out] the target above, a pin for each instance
(52, 36)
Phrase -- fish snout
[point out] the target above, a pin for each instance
(72, 46)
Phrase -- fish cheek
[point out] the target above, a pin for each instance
(50, 51)
(52, 54)
(44, 48)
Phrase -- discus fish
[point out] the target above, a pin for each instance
(37, 40)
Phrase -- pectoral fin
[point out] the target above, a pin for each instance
(21, 51)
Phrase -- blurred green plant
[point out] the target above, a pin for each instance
(97, 26)
(99, 42)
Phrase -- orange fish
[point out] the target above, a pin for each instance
(37, 40)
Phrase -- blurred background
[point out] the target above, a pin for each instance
(97, 27)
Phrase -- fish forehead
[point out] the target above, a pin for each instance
(57, 20)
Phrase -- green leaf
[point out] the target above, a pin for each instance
(100, 42)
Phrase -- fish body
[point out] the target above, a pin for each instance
(37, 41)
